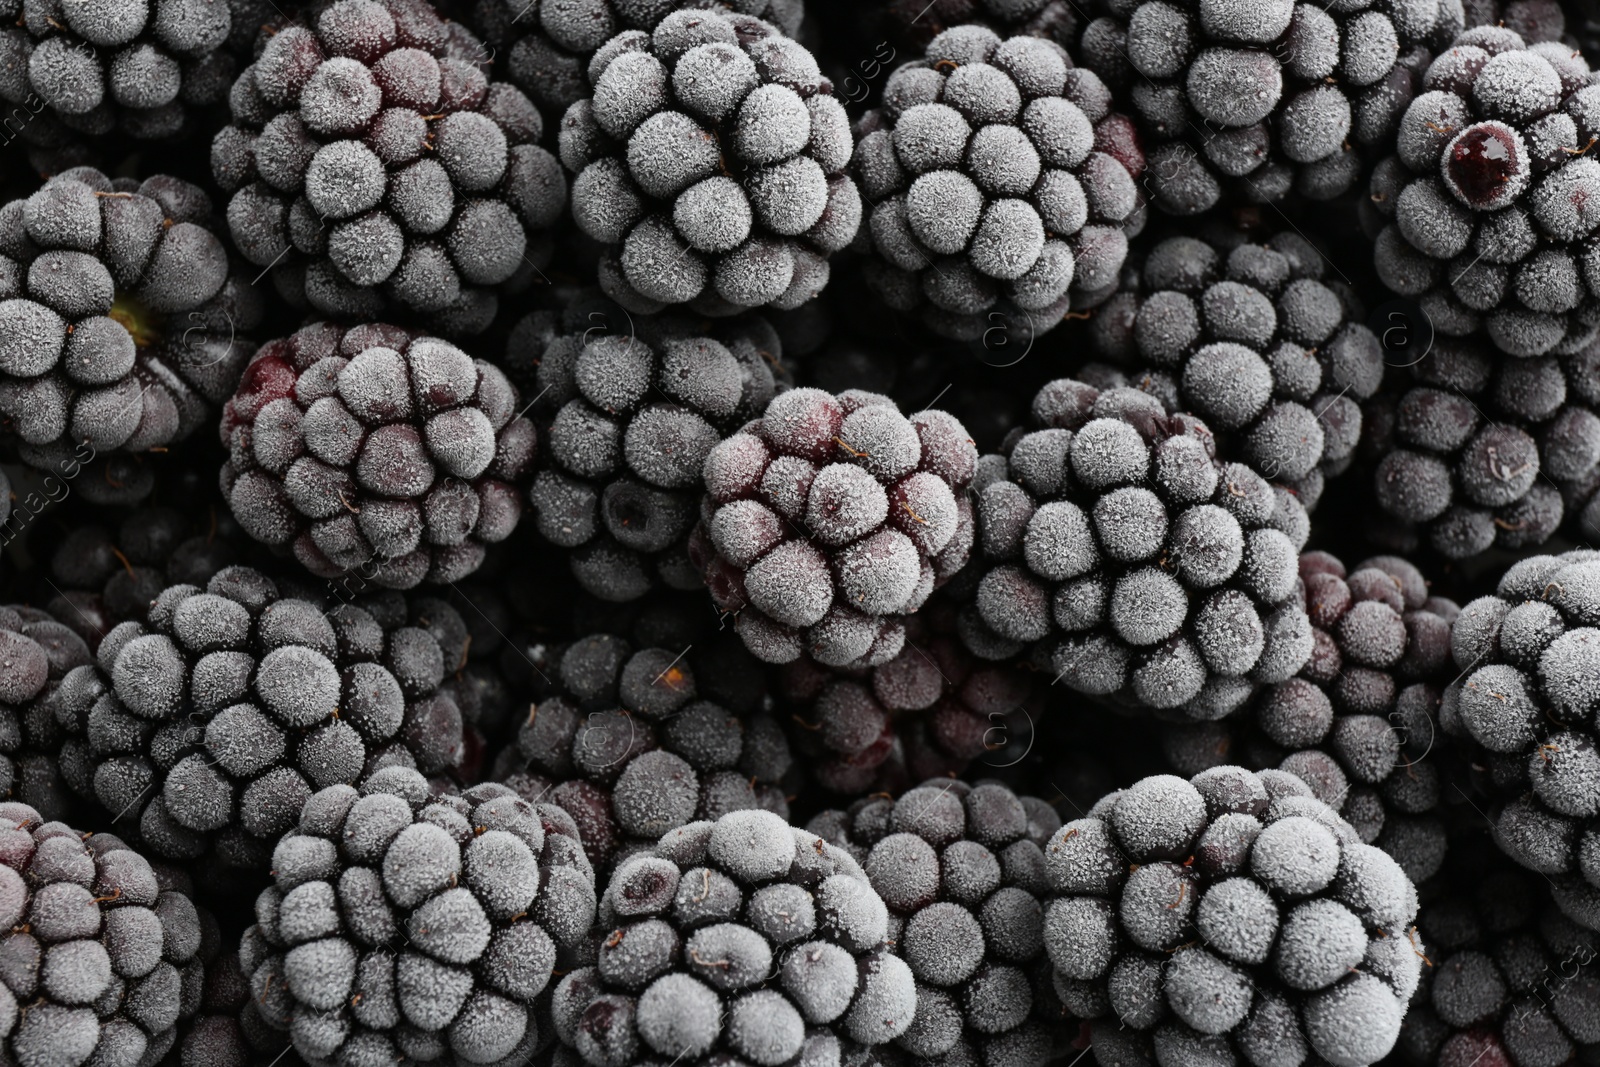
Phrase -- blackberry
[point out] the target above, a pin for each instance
(227, 1029)
(404, 927)
(99, 954)
(1229, 917)
(1256, 342)
(122, 325)
(204, 729)
(377, 452)
(1359, 722)
(962, 870)
(710, 159)
(629, 746)
(919, 23)
(1483, 207)
(829, 519)
(1264, 100)
(1139, 565)
(40, 652)
(743, 940)
(375, 169)
(1000, 182)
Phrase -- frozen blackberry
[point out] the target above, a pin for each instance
(999, 181)
(377, 452)
(227, 1029)
(98, 955)
(1484, 207)
(1140, 566)
(830, 518)
(919, 21)
(39, 652)
(629, 746)
(1255, 342)
(204, 729)
(405, 927)
(1231, 917)
(375, 169)
(121, 327)
(1261, 100)
(742, 940)
(962, 870)
(710, 157)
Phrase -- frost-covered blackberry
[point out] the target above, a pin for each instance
(376, 451)
(121, 327)
(1140, 566)
(830, 518)
(962, 870)
(203, 729)
(375, 169)
(1486, 207)
(999, 182)
(1359, 722)
(404, 927)
(743, 940)
(919, 21)
(39, 651)
(1255, 342)
(710, 157)
(628, 745)
(1261, 100)
(99, 956)
(1229, 918)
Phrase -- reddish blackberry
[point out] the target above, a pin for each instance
(1232, 917)
(1485, 208)
(1000, 183)
(1264, 99)
(376, 451)
(710, 159)
(1254, 341)
(830, 518)
(962, 870)
(404, 927)
(627, 744)
(120, 325)
(376, 170)
(741, 940)
(1141, 567)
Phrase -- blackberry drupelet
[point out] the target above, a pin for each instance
(1000, 183)
(1141, 567)
(1229, 917)
(1255, 341)
(744, 940)
(1264, 100)
(121, 327)
(407, 927)
(962, 871)
(710, 159)
(376, 170)
(829, 519)
(376, 452)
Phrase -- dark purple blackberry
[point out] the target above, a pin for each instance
(710, 157)
(829, 519)
(121, 327)
(227, 1029)
(1484, 209)
(377, 453)
(1258, 101)
(995, 193)
(1229, 918)
(39, 652)
(1359, 722)
(204, 729)
(408, 927)
(742, 940)
(919, 21)
(1141, 567)
(962, 870)
(99, 956)
(1476, 451)
(376, 170)
(1255, 342)
(1534, 20)
(628, 745)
